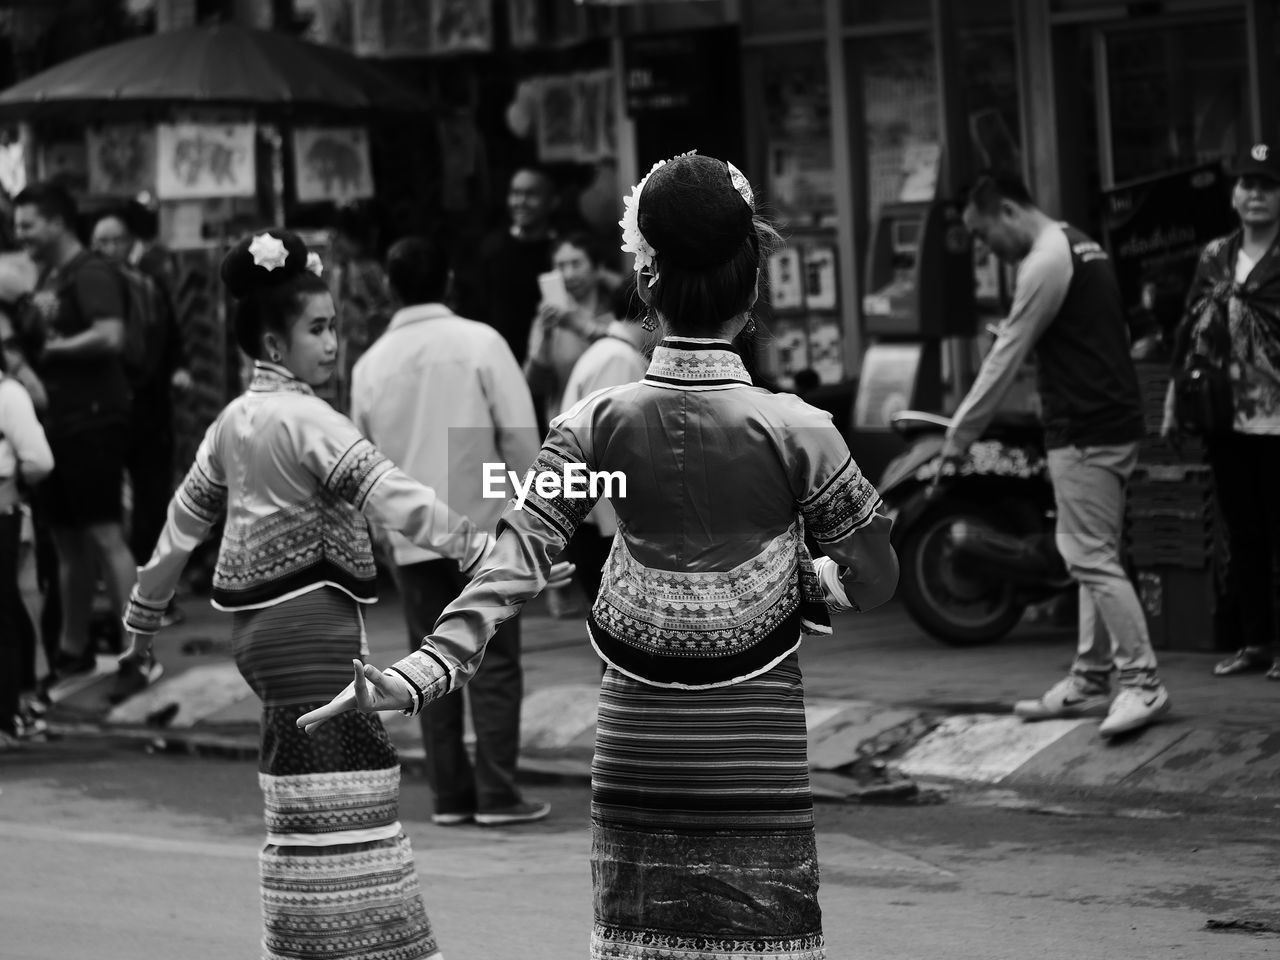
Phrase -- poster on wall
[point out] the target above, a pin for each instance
(205, 160)
(826, 355)
(332, 21)
(786, 279)
(460, 26)
(524, 21)
(390, 28)
(887, 384)
(122, 160)
(791, 344)
(558, 139)
(820, 277)
(331, 164)
(802, 178)
(66, 161)
(592, 95)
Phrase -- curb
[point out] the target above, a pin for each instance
(859, 751)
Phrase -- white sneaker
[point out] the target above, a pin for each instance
(1065, 699)
(1134, 707)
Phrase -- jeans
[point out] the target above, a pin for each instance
(494, 693)
(1246, 470)
(1088, 485)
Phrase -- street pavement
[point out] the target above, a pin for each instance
(890, 710)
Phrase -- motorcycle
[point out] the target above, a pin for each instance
(975, 546)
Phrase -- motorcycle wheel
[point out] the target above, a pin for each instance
(957, 609)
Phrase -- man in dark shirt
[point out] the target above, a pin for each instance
(1068, 309)
(502, 287)
(79, 308)
(150, 453)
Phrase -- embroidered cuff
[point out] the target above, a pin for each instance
(144, 615)
(427, 676)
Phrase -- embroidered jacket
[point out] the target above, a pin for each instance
(708, 582)
(297, 480)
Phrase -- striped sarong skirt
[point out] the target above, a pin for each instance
(702, 822)
(338, 877)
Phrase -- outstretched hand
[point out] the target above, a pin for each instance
(560, 575)
(371, 690)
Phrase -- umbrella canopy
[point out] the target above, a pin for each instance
(218, 66)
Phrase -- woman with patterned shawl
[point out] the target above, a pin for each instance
(702, 817)
(1232, 322)
(297, 481)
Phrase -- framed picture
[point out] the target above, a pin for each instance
(331, 164)
(122, 160)
(558, 138)
(460, 26)
(524, 19)
(205, 160)
(786, 279)
(820, 277)
(66, 161)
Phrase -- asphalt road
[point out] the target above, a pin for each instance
(113, 853)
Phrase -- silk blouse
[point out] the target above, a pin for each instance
(708, 582)
(297, 482)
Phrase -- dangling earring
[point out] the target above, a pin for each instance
(648, 323)
(750, 328)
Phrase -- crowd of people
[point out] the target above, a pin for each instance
(537, 354)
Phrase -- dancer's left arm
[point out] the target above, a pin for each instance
(515, 571)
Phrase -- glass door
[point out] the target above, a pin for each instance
(1171, 96)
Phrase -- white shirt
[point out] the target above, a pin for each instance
(23, 447)
(442, 396)
(610, 361)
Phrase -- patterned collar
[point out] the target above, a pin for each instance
(272, 378)
(688, 364)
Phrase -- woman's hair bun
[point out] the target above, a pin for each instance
(263, 260)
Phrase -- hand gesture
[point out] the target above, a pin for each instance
(561, 575)
(371, 690)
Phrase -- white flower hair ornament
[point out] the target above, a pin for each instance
(268, 252)
(634, 242)
(314, 264)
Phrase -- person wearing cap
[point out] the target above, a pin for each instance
(1232, 319)
(1067, 309)
(702, 815)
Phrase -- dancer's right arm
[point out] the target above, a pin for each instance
(195, 507)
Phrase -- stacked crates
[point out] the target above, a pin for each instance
(1174, 539)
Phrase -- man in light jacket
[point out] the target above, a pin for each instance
(443, 396)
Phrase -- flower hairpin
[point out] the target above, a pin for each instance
(634, 242)
(314, 264)
(268, 252)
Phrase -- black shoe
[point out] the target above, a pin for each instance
(1246, 660)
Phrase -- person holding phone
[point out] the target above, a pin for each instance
(574, 313)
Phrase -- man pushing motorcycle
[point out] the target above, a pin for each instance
(1067, 308)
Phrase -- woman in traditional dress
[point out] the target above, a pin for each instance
(702, 817)
(297, 481)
